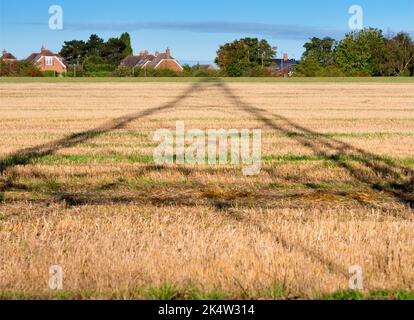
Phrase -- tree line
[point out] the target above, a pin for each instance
(96, 57)
(361, 53)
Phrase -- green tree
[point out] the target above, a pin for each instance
(126, 39)
(94, 46)
(96, 64)
(236, 58)
(110, 53)
(309, 67)
(187, 69)
(19, 69)
(399, 60)
(114, 51)
(320, 50)
(74, 51)
(361, 52)
(318, 59)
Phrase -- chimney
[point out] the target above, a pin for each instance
(285, 57)
(4, 51)
(143, 53)
(168, 53)
(157, 53)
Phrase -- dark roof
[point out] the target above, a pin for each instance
(7, 55)
(150, 60)
(280, 62)
(44, 52)
(146, 59)
(137, 61)
(131, 61)
(32, 57)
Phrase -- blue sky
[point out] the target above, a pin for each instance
(192, 28)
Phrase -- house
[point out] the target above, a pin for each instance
(7, 57)
(284, 67)
(157, 61)
(47, 61)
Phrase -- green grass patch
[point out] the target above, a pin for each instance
(336, 158)
(223, 79)
(165, 292)
(343, 295)
(329, 161)
(169, 292)
(43, 185)
(91, 159)
(139, 183)
(328, 186)
(378, 294)
(368, 135)
(282, 186)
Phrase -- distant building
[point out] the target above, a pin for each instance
(47, 61)
(157, 61)
(7, 57)
(205, 67)
(284, 67)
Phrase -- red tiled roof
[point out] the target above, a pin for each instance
(44, 52)
(141, 60)
(32, 56)
(7, 55)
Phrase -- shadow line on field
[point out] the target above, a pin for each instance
(25, 156)
(378, 173)
(401, 191)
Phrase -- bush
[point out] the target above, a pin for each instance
(123, 71)
(50, 74)
(187, 70)
(309, 67)
(19, 69)
(330, 71)
(148, 72)
(99, 74)
(166, 73)
(96, 65)
(207, 73)
(261, 72)
(71, 72)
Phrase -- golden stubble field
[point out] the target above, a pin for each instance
(79, 189)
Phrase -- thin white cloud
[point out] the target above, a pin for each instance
(275, 31)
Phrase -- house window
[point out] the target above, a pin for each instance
(49, 61)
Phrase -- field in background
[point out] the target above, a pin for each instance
(78, 189)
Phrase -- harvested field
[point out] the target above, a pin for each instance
(79, 189)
